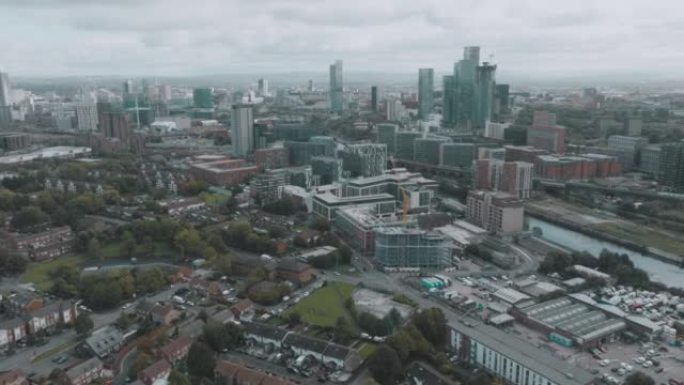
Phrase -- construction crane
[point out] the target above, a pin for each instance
(405, 206)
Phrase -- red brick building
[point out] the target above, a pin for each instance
(290, 269)
(176, 350)
(272, 158)
(48, 244)
(585, 167)
(224, 171)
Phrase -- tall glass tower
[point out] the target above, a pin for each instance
(336, 87)
(425, 89)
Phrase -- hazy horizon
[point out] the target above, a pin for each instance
(610, 40)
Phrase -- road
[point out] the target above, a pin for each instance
(24, 356)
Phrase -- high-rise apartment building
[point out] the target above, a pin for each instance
(5, 90)
(426, 80)
(336, 87)
(514, 178)
(242, 130)
(387, 133)
(262, 85)
(86, 117)
(545, 134)
(395, 110)
(672, 165)
(116, 125)
(498, 212)
(484, 93)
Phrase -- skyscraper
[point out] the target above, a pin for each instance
(5, 97)
(242, 130)
(374, 98)
(262, 85)
(425, 89)
(485, 93)
(672, 165)
(472, 53)
(336, 87)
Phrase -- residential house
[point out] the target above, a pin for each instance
(307, 238)
(164, 314)
(243, 310)
(229, 373)
(180, 206)
(160, 370)
(105, 341)
(264, 334)
(85, 372)
(12, 330)
(223, 317)
(290, 269)
(23, 302)
(242, 265)
(192, 329)
(205, 287)
(48, 244)
(176, 350)
(13, 377)
(50, 316)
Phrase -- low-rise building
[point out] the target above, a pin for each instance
(176, 350)
(224, 171)
(12, 330)
(159, 370)
(85, 372)
(164, 314)
(51, 316)
(41, 246)
(265, 335)
(105, 341)
(290, 269)
(180, 206)
(233, 374)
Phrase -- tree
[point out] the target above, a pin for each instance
(223, 264)
(343, 331)
(128, 244)
(201, 360)
(639, 378)
(142, 361)
(432, 324)
(28, 218)
(222, 337)
(94, 249)
(321, 224)
(83, 324)
(187, 239)
(384, 365)
(178, 378)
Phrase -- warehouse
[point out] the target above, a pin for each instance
(568, 322)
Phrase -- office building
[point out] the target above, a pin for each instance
(365, 159)
(271, 158)
(633, 127)
(457, 154)
(326, 169)
(374, 99)
(242, 130)
(495, 130)
(397, 247)
(497, 212)
(301, 152)
(425, 92)
(386, 134)
(501, 101)
(427, 150)
(86, 117)
(491, 153)
(328, 141)
(627, 149)
(545, 134)
(484, 93)
(336, 87)
(472, 53)
(5, 90)
(5, 117)
(579, 167)
(514, 178)
(202, 98)
(672, 166)
(505, 356)
(395, 110)
(650, 160)
(262, 87)
(405, 144)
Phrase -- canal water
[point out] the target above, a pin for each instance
(659, 271)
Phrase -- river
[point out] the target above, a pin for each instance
(659, 271)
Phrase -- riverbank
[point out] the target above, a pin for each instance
(591, 231)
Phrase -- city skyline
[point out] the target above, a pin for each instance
(124, 37)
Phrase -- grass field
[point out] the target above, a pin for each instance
(38, 273)
(644, 235)
(366, 349)
(324, 306)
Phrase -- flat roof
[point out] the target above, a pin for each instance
(334, 199)
(515, 349)
(47, 152)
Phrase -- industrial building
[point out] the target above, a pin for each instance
(509, 358)
(364, 159)
(570, 323)
(403, 247)
(498, 212)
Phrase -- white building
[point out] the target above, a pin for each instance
(495, 130)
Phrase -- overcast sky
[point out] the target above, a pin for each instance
(182, 37)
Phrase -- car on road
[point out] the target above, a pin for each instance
(127, 306)
(60, 359)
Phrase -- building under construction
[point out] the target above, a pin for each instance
(398, 247)
(364, 159)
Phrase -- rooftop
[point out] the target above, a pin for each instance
(103, 340)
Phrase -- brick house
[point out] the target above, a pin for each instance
(290, 269)
(85, 372)
(164, 314)
(12, 330)
(50, 316)
(157, 371)
(228, 373)
(176, 350)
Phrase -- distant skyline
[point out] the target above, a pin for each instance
(529, 39)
